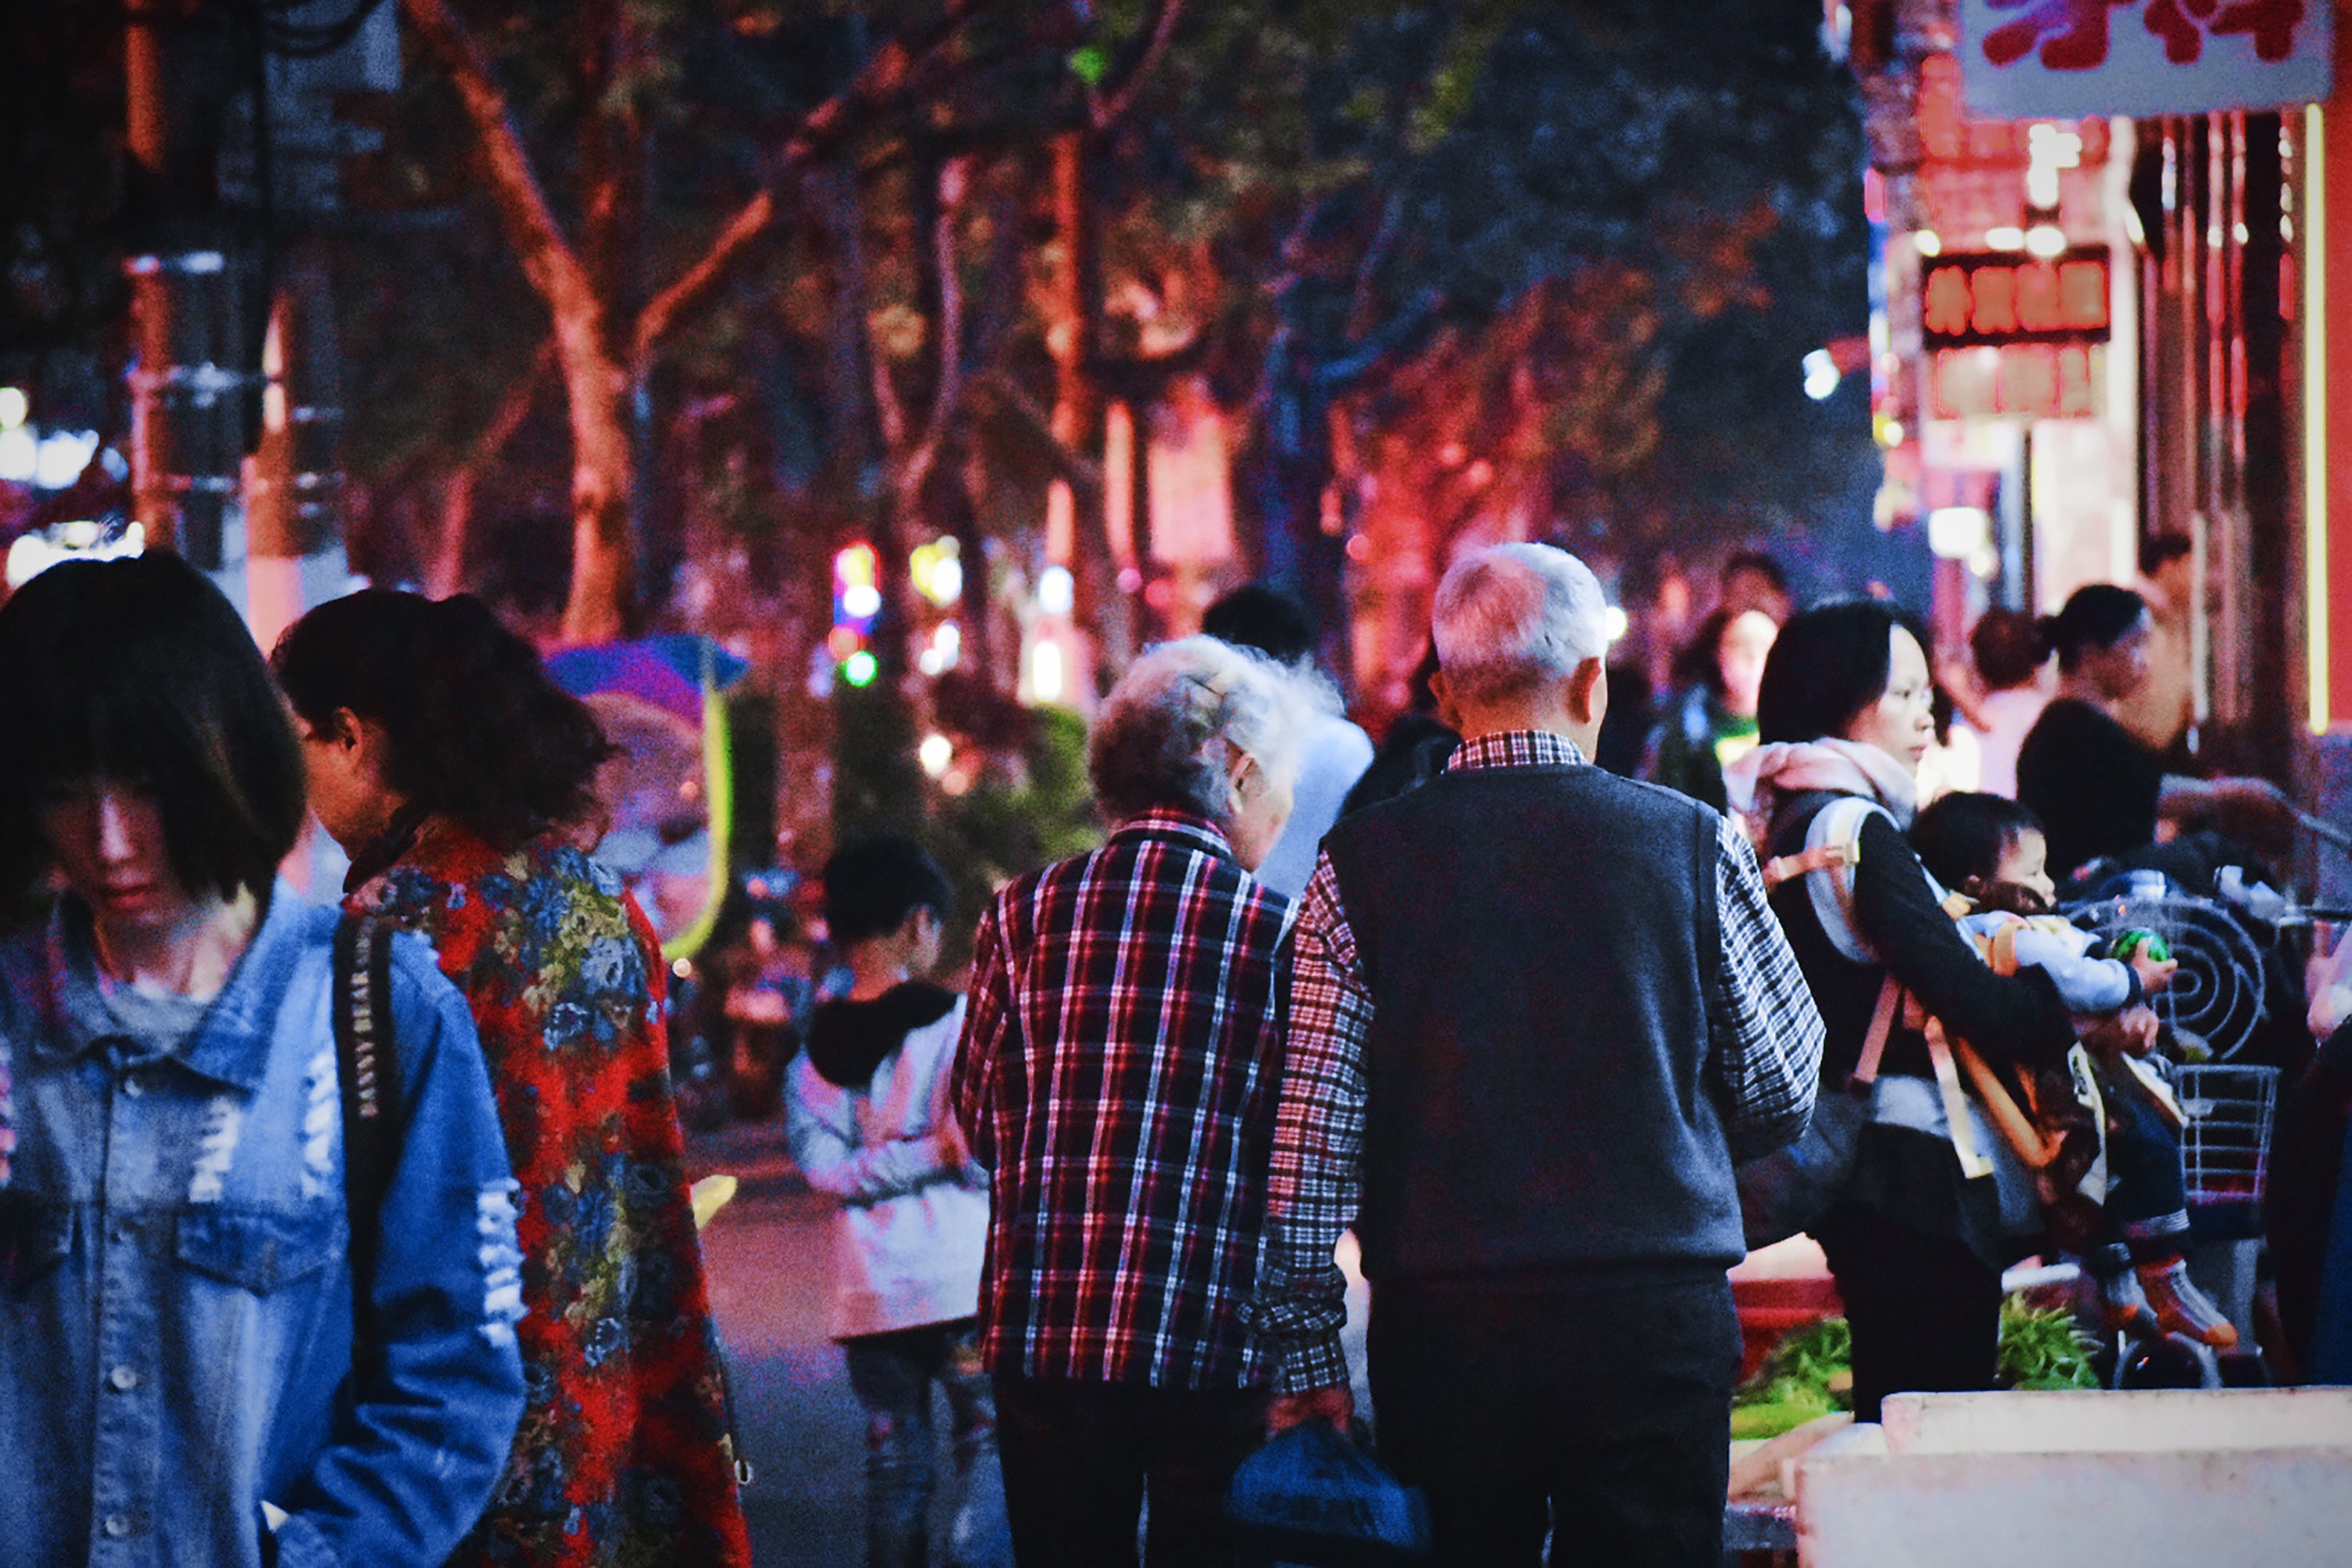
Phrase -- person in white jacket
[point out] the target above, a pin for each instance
(867, 1117)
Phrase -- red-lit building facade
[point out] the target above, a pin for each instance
(2105, 319)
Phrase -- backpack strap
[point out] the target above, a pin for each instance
(368, 1065)
(1833, 848)
(1874, 1044)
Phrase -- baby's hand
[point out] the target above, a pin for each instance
(2154, 975)
(2132, 1030)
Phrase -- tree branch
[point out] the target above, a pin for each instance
(1110, 105)
(446, 573)
(548, 257)
(947, 390)
(891, 71)
(1081, 473)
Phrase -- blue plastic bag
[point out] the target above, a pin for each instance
(1312, 1498)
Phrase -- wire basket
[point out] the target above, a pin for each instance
(2225, 1150)
(2217, 995)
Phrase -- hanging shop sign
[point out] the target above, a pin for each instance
(2004, 297)
(2038, 58)
(2015, 335)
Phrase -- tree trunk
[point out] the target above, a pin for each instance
(1074, 337)
(603, 548)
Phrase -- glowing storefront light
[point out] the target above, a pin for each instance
(81, 540)
(1045, 671)
(61, 456)
(1959, 532)
(1821, 374)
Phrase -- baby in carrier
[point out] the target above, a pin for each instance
(2124, 1190)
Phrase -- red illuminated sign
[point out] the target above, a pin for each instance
(1968, 301)
(2031, 381)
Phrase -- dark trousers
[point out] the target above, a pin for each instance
(1925, 1310)
(1597, 1409)
(2143, 1155)
(892, 1376)
(1079, 1458)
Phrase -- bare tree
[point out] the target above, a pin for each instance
(603, 349)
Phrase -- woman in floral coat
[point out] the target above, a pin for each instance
(445, 762)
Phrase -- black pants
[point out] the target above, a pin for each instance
(1079, 1456)
(1925, 1310)
(1597, 1409)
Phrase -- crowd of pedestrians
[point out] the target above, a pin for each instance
(360, 1235)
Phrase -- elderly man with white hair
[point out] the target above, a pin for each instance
(1536, 1012)
(1116, 1074)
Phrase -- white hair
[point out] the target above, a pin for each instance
(1512, 617)
(1162, 734)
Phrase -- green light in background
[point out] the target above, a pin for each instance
(859, 669)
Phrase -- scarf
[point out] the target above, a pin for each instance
(1758, 781)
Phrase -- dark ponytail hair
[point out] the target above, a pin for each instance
(2008, 646)
(474, 727)
(2094, 616)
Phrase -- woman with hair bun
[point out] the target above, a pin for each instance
(2100, 792)
(2009, 649)
(448, 764)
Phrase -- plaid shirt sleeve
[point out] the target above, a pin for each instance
(1767, 1029)
(1314, 1175)
(987, 1015)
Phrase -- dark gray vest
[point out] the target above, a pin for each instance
(1540, 944)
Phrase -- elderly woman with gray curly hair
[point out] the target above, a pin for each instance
(1118, 1074)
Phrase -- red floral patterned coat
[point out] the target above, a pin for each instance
(623, 1457)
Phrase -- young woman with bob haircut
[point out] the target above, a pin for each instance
(448, 764)
(178, 1371)
(1917, 1247)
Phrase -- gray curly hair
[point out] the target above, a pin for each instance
(1162, 736)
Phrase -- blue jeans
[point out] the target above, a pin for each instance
(892, 1376)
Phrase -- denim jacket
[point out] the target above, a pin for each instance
(175, 1305)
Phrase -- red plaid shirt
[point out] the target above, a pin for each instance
(1118, 1074)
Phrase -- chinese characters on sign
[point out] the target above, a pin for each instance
(2009, 334)
(1971, 300)
(2026, 58)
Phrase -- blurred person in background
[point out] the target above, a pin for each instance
(2100, 791)
(1751, 579)
(1414, 750)
(2160, 711)
(245, 1316)
(2002, 694)
(448, 765)
(1116, 1075)
(1333, 752)
(866, 1112)
(1711, 723)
